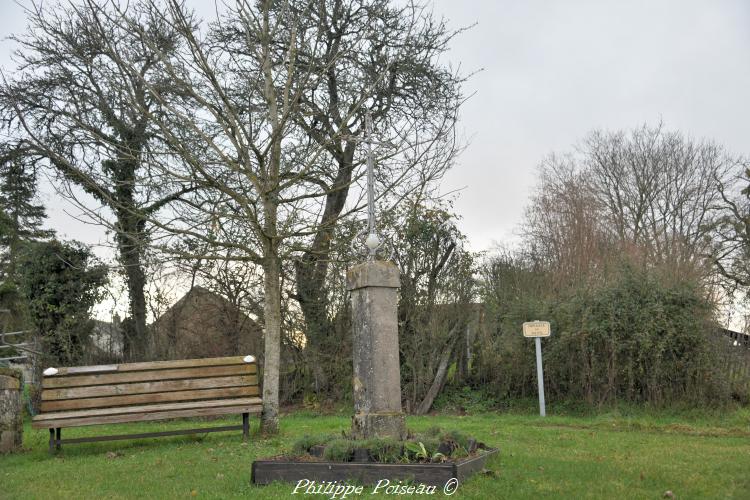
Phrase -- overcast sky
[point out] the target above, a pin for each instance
(551, 72)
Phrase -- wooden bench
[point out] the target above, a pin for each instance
(137, 392)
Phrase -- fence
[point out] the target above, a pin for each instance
(736, 353)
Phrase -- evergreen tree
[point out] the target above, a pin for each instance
(21, 216)
(21, 219)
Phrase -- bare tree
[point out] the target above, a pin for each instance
(648, 193)
(564, 226)
(659, 190)
(383, 59)
(731, 252)
(79, 102)
(262, 180)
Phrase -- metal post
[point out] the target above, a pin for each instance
(370, 175)
(372, 241)
(540, 375)
(245, 426)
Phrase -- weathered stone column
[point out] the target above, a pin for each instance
(377, 378)
(11, 412)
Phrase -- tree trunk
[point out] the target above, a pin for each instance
(269, 418)
(312, 269)
(312, 296)
(272, 354)
(131, 241)
(35, 384)
(136, 280)
(439, 380)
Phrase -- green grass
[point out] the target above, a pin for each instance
(610, 456)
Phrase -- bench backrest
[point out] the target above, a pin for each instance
(128, 384)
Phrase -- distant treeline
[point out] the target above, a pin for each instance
(627, 249)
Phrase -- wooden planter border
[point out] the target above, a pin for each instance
(268, 471)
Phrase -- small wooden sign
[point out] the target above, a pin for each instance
(536, 329)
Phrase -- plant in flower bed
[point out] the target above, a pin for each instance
(432, 446)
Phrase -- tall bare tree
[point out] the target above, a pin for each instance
(731, 252)
(564, 225)
(263, 180)
(384, 59)
(79, 102)
(234, 138)
(659, 189)
(649, 192)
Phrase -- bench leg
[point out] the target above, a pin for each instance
(51, 440)
(245, 426)
(58, 432)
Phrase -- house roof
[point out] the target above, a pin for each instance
(208, 298)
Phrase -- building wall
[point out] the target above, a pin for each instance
(204, 325)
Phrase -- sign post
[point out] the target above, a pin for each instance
(537, 330)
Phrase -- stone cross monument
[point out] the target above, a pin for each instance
(374, 288)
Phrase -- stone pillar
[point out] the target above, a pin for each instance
(11, 412)
(377, 377)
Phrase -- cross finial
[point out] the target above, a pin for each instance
(369, 237)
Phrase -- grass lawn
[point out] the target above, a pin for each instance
(610, 456)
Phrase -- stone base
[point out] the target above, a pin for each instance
(370, 425)
(11, 414)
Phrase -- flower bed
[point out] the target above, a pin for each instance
(433, 458)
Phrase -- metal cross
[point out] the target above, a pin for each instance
(373, 242)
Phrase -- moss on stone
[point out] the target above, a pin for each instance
(11, 372)
(11, 412)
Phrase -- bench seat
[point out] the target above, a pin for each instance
(146, 412)
(138, 392)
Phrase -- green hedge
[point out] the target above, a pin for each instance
(635, 338)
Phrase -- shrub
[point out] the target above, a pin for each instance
(456, 437)
(634, 338)
(340, 450)
(385, 450)
(303, 444)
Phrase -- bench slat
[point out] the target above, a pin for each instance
(142, 417)
(91, 369)
(164, 397)
(147, 408)
(151, 365)
(145, 376)
(148, 387)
